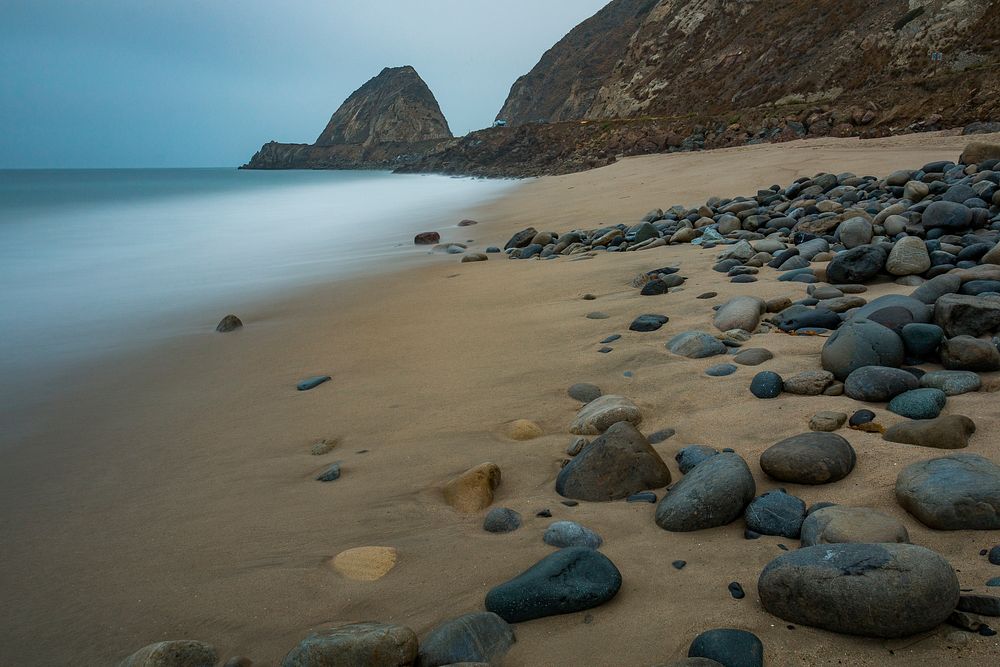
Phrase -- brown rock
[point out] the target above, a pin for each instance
(356, 645)
(979, 151)
(426, 238)
(472, 491)
(598, 415)
(365, 563)
(467, 223)
(838, 524)
(523, 429)
(950, 432)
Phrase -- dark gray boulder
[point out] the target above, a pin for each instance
(173, 653)
(936, 287)
(955, 492)
(614, 466)
(692, 455)
(477, 637)
(964, 315)
(809, 458)
(568, 581)
(965, 353)
(878, 384)
(861, 343)
(947, 215)
(776, 513)
(857, 265)
(872, 590)
(729, 647)
(714, 493)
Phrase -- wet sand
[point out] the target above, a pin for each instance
(170, 494)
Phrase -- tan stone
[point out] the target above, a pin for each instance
(366, 563)
(523, 429)
(472, 491)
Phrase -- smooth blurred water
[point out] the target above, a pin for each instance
(95, 260)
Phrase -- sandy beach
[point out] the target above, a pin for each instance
(171, 494)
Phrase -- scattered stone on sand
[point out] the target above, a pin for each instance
(597, 315)
(501, 520)
(862, 417)
(312, 382)
(753, 356)
(599, 414)
(380, 644)
(878, 384)
(229, 323)
(642, 497)
(696, 345)
(919, 403)
(427, 238)
(564, 534)
(479, 637)
(610, 339)
(322, 447)
(614, 466)
(827, 421)
(808, 383)
(692, 455)
(729, 647)
(776, 513)
(952, 383)
(720, 370)
(736, 590)
(861, 343)
(648, 323)
(708, 295)
(713, 493)
(475, 257)
(330, 474)
(741, 312)
(809, 458)
(950, 432)
(472, 491)
(565, 582)
(366, 563)
(766, 384)
(839, 524)
(956, 492)
(523, 429)
(175, 653)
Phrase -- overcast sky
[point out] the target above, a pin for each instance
(147, 83)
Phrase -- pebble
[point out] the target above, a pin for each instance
(862, 417)
(324, 446)
(312, 383)
(563, 534)
(331, 474)
(720, 370)
(696, 345)
(809, 458)
(229, 323)
(584, 392)
(753, 356)
(501, 520)
(679, 564)
(736, 590)
(610, 339)
(599, 414)
(648, 323)
(366, 563)
(642, 497)
(661, 436)
(766, 384)
(827, 421)
(522, 430)
(176, 653)
(597, 315)
(606, 350)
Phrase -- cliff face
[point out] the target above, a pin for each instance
(391, 120)
(565, 82)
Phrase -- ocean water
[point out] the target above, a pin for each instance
(94, 261)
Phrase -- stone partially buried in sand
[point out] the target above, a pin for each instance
(379, 644)
(951, 432)
(176, 653)
(584, 392)
(809, 458)
(696, 345)
(229, 323)
(872, 590)
(838, 524)
(472, 491)
(365, 563)
(956, 492)
(523, 429)
(729, 647)
(480, 637)
(614, 466)
(568, 581)
(742, 312)
(713, 493)
(861, 343)
(598, 415)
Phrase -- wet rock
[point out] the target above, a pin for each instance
(861, 525)
(956, 492)
(951, 432)
(776, 513)
(229, 323)
(330, 474)
(563, 534)
(472, 491)
(599, 414)
(873, 590)
(614, 466)
(312, 383)
(427, 238)
(356, 644)
(567, 581)
(713, 493)
(522, 239)
(809, 458)
(176, 653)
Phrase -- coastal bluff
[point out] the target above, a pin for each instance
(390, 120)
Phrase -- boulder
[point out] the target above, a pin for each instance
(936, 287)
(729, 647)
(878, 384)
(477, 637)
(861, 525)
(950, 432)
(950, 216)
(952, 383)
(861, 343)
(713, 493)
(522, 239)
(567, 581)
(776, 513)
(472, 491)
(742, 312)
(908, 257)
(599, 414)
(857, 265)
(809, 458)
(356, 645)
(920, 340)
(872, 590)
(175, 653)
(979, 151)
(965, 315)
(614, 466)
(965, 353)
(919, 403)
(956, 492)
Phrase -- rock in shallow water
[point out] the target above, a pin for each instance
(839, 524)
(481, 637)
(873, 590)
(956, 492)
(356, 644)
(714, 493)
(614, 466)
(568, 581)
(312, 383)
(229, 323)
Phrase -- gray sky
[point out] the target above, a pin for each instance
(148, 83)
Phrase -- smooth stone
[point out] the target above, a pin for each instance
(584, 392)
(753, 356)
(965, 353)
(522, 430)
(720, 370)
(950, 432)
(610, 339)
(174, 653)
(564, 534)
(366, 563)
(599, 414)
(894, 311)
(472, 491)
(567, 581)
(956, 492)
(330, 474)
(742, 312)
(501, 520)
(984, 605)
(661, 435)
(357, 644)
(860, 343)
(597, 315)
(312, 383)
(808, 383)
(809, 458)
(951, 216)
(856, 265)
(878, 384)
(648, 323)
(475, 257)
(872, 590)
(480, 637)
(606, 350)
(994, 555)
(713, 493)
(766, 384)
(861, 525)
(692, 455)
(614, 466)
(855, 232)
(642, 497)
(696, 345)
(908, 257)
(921, 340)
(427, 238)
(229, 323)
(799, 316)
(692, 662)
(827, 421)
(952, 383)
(729, 647)
(936, 287)
(776, 513)
(707, 295)
(862, 417)
(919, 403)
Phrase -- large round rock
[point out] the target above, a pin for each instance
(729, 647)
(856, 266)
(477, 637)
(839, 524)
(614, 466)
(956, 492)
(809, 458)
(356, 644)
(714, 493)
(860, 343)
(878, 384)
(873, 590)
(565, 582)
